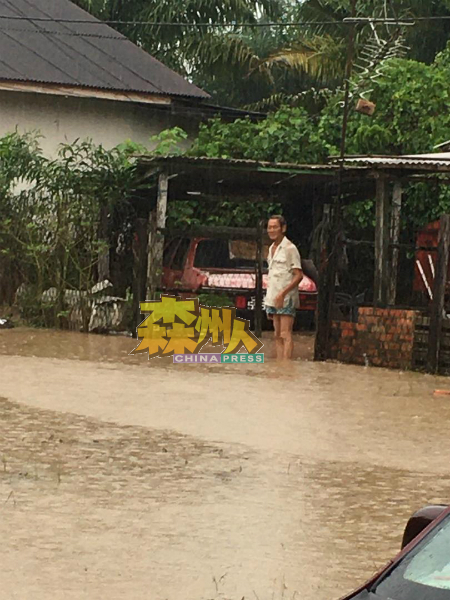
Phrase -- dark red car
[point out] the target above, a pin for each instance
(421, 571)
(226, 267)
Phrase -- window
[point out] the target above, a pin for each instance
(212, 254)
(180, 254)
(223, 254)
(169, 249)
(175, 253)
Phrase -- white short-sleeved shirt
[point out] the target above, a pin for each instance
(281, 271)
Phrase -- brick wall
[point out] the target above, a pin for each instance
(381, 337)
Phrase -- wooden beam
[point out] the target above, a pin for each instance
(437, 306)
(156, 237)
(395, 238)
(381, 281)
(85, 92)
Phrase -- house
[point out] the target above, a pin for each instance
(68, 75)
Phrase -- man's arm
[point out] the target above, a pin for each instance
(295, 265)
(296, 278)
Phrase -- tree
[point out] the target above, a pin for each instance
(203, 54)
(261, 67)
(318, 49)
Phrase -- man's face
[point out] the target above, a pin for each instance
(274, 229)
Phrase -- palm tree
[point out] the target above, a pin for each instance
(425, 39)
(318, 50)
(263, 66)
(185, 40)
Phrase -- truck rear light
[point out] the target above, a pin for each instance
(240, 302)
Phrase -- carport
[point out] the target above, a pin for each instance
(301, 189)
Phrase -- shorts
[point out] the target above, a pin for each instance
(288, 310)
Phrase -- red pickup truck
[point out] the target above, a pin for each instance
(194, 266)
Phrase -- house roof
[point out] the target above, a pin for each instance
(84, 55)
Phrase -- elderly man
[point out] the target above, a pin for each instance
(285, 273)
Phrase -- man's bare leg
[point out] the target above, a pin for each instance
(279, 342)
(286, 325)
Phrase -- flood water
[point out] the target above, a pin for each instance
(123, 478)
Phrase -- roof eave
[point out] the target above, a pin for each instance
(79, 91)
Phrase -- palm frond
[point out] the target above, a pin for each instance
(228, 53)
(313, 100)
(322, 57)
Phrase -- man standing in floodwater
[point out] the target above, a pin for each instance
(285, 273)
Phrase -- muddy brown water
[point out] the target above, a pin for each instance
(123, 478)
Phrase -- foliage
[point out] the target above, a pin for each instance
(411, 118)
(411, 113)
(287, 135)
(216, 300)
(50, 211)
(209, 56)
(168, 142)
(226, 213)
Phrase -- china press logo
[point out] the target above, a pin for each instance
(180, 328)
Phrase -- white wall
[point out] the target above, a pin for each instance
(62, 119)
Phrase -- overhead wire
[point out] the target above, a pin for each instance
(397, 20)
(168, 23)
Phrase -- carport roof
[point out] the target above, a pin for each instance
(205, 177)
(438, 162)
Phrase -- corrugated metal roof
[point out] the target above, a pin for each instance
(90, 55)
(240, 162)
(439, 161)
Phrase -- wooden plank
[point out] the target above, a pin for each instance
(395, 238)
(437, 306)
(80, 92)
(381, 243)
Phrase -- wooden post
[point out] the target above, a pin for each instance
(437, 306)
(395, 238)
(259, 280)
(156, 238)
(139, 268)
(327, 276)
(103, 258)
(381, 282)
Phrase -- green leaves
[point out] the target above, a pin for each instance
(168, 142)
(288, 135)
